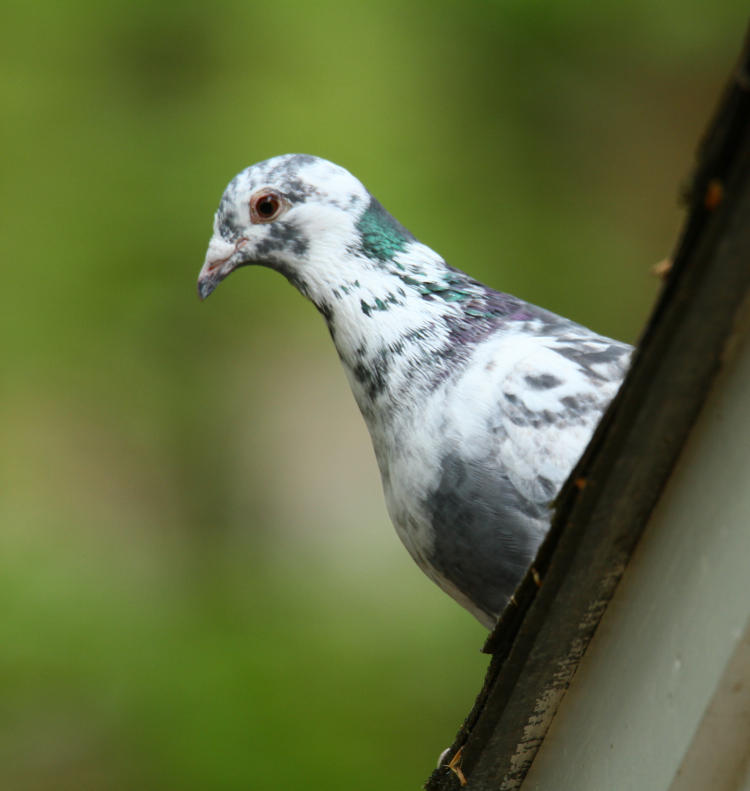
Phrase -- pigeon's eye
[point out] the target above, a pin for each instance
(266, 206)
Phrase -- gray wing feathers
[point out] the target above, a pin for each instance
(489, 515)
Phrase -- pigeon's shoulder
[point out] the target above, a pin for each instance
(554, 380)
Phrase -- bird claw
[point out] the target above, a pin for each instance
(455, 765)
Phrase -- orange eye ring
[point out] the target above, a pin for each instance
(266, 206)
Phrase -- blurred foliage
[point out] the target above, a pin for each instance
(199, 585)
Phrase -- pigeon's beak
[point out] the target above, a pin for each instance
(222, 258)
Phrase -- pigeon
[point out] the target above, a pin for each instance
(478, 403)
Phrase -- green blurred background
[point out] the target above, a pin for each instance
(199, 585)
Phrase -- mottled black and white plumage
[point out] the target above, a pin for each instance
(478, 404)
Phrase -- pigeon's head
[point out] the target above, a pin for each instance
(298, 214)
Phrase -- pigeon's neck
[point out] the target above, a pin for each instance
(404, 324)
(403, 321)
